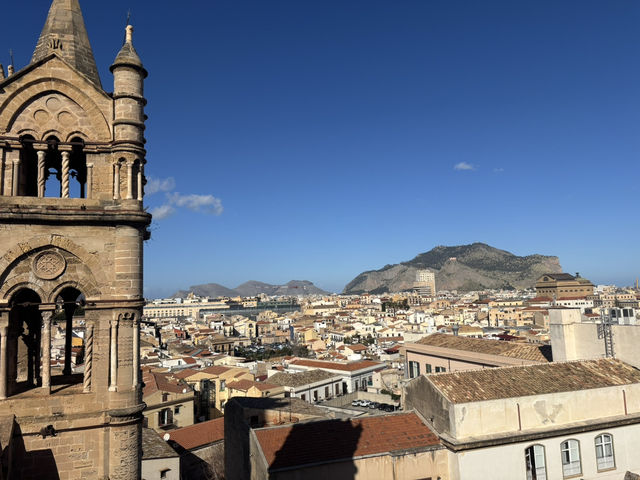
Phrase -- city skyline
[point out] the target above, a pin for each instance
(317, 141)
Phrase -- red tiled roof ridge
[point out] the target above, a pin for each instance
(199, 434)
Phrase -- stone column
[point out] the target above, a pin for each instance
(116, 181)
(46, 351)
(4, 332)
(140, 176)
(88, 358)
(41, 172)
(129, 180)
(15, 178)
(65, 174)
(136, 350)
(113, 371)
(89, 180)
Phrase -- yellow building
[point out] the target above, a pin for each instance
(556, 285)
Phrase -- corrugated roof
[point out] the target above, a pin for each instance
(524, 351)
(334, 440)
(522, 381)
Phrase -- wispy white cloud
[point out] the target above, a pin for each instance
(498, 170)
(198, 203)
(162, 212)
(155, 185)
(207, 204)
(463, 166)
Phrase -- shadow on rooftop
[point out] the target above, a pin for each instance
(326, 447)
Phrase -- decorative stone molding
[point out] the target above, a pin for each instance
(49, 265)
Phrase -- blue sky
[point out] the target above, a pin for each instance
(318, 139)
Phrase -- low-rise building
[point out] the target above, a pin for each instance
(449, 353)
(547, 421)
(310, 386)
(355, 375)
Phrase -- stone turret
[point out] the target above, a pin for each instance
(128, 93)
(128, 125)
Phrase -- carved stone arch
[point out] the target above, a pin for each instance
(28, 132)
(36, 244)
(77, 134)
(51, 133)
(53, 295)
(15, 104)
(47, 268)
(15, 288)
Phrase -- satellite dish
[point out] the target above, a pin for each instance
(184, 390)
(166, 437)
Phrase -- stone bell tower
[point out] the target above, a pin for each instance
(72, 226)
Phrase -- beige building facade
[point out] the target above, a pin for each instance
(72, 227)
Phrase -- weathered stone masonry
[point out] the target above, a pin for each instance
(72, 226)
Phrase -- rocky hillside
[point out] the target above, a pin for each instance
(253, 288)
(465, 267)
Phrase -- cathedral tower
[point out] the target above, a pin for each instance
(72, 226)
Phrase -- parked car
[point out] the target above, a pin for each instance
(374, 404)
(355, 403)
(365, 403)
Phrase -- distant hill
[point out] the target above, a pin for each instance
(253, 288)
(466, 267)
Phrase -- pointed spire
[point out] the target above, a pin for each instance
(65, 34)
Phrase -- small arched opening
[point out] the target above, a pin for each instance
(77, 169)
(53, 169)
(136, 180)
(28, 177)
(66, 346)
(24, 341)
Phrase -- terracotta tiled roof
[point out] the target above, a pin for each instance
(187, 372)
(335, 440)
(153, 446)
(199, 434)
(524, 351)
(245, 385)
(346, 367)
(155, 381)
(301, 378)
(216, 370)
(356, 347)
(508, 382)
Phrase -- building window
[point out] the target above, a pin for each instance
(570, 451)
(165, 397)
(223, 385)
(604, 452)
(414, 369)
(165, 417)
(440, 369)
(176, 409)
(429, 370)
(163, 473)
(535, 461)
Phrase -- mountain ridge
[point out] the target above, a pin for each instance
(475, 266)
(252, 288)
